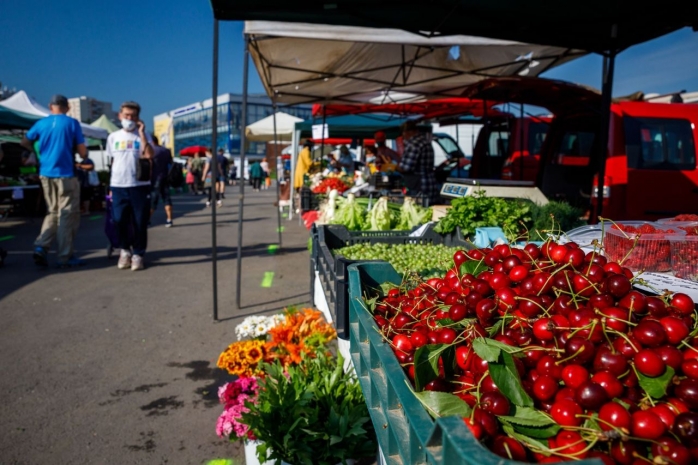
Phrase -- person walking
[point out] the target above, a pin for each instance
(83, 171)
(197, 166)
(417, 163)
(256, 175)
(160, 185)
(190, 178)
(265, 168)
(131, 151)
(58, 137)
(223, 163)
(217, 185)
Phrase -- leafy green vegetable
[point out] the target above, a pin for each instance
(478, 210)
(554, 217)
(350, 214)
(380, 218)
(412, 215)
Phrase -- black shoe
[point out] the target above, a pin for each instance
(40, 256)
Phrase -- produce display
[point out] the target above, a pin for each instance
(549, 354)
(330, 184)
(354, 213)
(644, 247)
(684, 254)
(425, 259)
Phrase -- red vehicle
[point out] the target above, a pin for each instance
(651, 159)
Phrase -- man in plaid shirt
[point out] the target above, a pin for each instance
(418, 160)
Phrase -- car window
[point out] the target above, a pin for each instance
(574, 149)
(536, 137)
(659, 143)
(499, 144)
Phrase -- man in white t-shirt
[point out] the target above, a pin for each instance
(130, 150)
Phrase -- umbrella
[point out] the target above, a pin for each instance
(192, 150)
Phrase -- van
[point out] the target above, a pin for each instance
(650, 170)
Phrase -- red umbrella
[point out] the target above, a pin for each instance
(192, 150)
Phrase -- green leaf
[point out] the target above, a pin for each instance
(443, 404)
(591, 423)
(426, 364)
(526, 416)
(539, 433)
(495, 328)
(656, 387)
(489, 349)
(506, 377)
(387, 286)
(449, 360)
(473, 267)
(529, 441)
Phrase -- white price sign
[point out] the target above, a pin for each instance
(662, 282)
(320, 131)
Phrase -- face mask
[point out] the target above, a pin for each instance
(128, 125)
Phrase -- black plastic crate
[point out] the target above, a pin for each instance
(332, 269)
(309, 200)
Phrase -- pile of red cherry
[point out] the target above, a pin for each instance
(614, 371)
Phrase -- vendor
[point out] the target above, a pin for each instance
(386, 155)
(305, 160)
(417, 164)
(346, 161)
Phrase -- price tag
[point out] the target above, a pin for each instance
(661, 282)
(320, 131)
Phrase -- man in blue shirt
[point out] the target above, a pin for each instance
(59, 137)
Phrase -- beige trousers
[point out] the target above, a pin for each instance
(63, 217)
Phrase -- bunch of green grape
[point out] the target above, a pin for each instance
(424, 259)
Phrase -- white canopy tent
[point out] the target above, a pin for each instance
(24, 103)
(263, 130)
(303, 63)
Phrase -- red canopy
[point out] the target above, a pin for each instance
(340, 141)
(192, 150)
(428, 109)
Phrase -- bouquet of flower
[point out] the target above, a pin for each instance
(301, 332)
(234, 395)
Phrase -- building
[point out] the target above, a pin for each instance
(88, 109)
(192, 123)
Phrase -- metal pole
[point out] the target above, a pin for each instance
(214, 168)
(521, 145)
(606, 95)
(322, 147)
(243, 127)
(276, 168)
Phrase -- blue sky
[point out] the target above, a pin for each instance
(159, 54)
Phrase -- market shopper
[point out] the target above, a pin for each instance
(256, 175)
(160, 186)
(385, 153)
(417, 163)
(267, 179)
(131, 150)
(345, 161)
(219, 185)
(197, 167)
(58, 136)
(84, 171)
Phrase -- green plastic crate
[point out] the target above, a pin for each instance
(406, 433)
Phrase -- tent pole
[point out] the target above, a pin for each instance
(243, 126)
(214, 168)
(521, 144)
(295, 141)
(276, 168)
(322, 147)
(609, 64)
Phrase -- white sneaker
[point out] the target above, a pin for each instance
(136, 263)
(208, 204)
(124, 260)
(219, 203)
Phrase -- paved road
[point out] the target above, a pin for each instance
(102, 366)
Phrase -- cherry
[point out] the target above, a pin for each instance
(499, 281)
(547, 366)
(509, 448)
(574, 375)
(601, 301)
(464, 357)
(646, 425)
(670, 355)
(683, 304)
(495, 403)
(447, 336)
(571, 443)
(616, 318)
(656, 307)
(615, 363)
(488, 421)
(544, 388)
(492, 258)
(686, 428)
(418, 339)
(687, 391)
(459, 258)
(608, 381)
(650, 333)
(403, 343)
(581, 350)
(557, 253)
(628, 347)
(565, 393)
(481, 287)
(635, 301)
(675, 328)
(591, 395)
(474, 427)
(566, 412)
(624, 452)
(669, 450)
(617, 285)
(665, 413)
(613, 415)
(486, 309)
(457, 312)
(649, 363)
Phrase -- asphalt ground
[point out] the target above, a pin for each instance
(107, 366)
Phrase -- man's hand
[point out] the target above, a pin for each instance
(141, 126)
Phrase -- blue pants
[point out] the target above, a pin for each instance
(131, 206)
